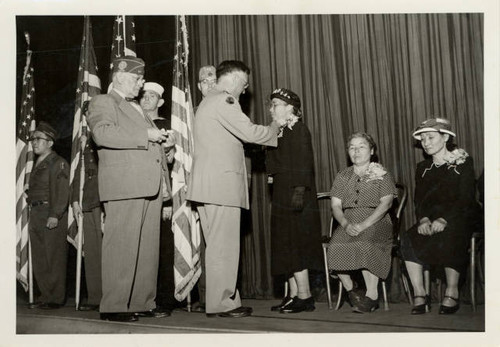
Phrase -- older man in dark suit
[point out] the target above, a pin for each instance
(219, 185)
(132, 185)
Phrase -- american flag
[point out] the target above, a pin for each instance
(88, 85)
(185, 223)
(123, 38)
(25, 156)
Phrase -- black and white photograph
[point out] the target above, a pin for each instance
(267, 173)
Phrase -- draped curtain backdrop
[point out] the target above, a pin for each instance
(382, 73)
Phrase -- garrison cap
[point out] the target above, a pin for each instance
(207, 73)
(47, 129)
(129, 64)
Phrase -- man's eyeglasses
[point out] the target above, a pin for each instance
(207, 81)
(36, 138)
(243, 80)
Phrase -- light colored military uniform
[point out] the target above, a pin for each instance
(219, 184)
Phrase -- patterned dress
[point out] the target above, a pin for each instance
(371, 249)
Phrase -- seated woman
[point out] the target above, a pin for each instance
(295, 222)
(445, 208)
(362, 194)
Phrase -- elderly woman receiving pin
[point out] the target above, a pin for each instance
(295, 224)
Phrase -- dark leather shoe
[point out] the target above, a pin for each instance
(119, 317)
(154, 313)
(239, 312)
(366, 305)
(49, 306)
(88, 307)
(354, 297)
(299, 305)
(285, 302)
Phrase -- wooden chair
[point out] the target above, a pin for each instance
(396, 212)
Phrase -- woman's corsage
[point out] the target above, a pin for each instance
(374, 172)
(455, 157)
(288, 122)
(452, 160)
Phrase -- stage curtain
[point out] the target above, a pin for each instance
(380, 73)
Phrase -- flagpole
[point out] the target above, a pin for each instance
(30, 276)
(79, 236)
(124, 36)
(31, 300)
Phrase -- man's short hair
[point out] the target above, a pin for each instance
(229, 66)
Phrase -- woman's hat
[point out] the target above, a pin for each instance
(433, 124)
(287, 96)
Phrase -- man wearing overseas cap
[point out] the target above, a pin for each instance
(151, 100)
(218, 183)
(48, 197)
(206, 79)
(132, 185)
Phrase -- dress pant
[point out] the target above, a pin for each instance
(130, 252)
(49, 251)
(166, 286)
(221, 228)
(202, 281)
(92, 247)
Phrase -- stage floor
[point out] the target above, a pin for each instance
(68, 321)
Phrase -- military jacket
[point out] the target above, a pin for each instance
(49, 183)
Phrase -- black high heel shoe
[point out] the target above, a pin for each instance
(422, 308)
(284, 303)
(449, 309)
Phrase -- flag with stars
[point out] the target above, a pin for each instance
(24, 165)
(123, 38)
(88, 85)
(185, 221)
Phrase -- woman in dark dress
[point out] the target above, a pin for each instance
(445, 208)
(295, 222)
(362, 194)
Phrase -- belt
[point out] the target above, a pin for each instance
(38, 203)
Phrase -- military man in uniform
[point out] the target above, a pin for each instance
(48, 197)
(218, 183)
(132, 185)
(150, 101)
(91, 212)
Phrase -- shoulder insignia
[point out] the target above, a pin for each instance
(230, 100)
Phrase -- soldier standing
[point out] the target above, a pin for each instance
(48, 197)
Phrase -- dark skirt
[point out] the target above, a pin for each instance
(295, 236)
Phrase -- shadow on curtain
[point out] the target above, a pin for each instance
(382, 73)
